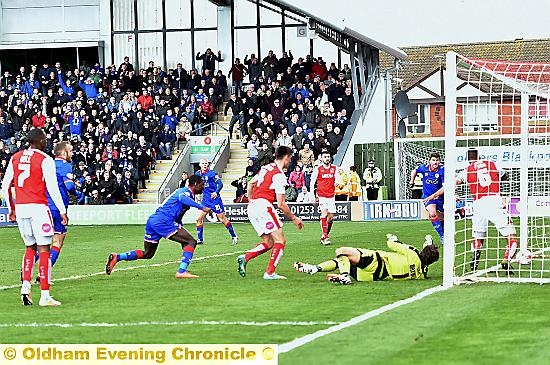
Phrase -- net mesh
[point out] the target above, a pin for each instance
(502, 109)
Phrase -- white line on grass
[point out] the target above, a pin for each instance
(289, 346)
(184, 323)
(76, 277)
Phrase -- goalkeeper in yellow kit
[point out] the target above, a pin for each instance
(404, 263)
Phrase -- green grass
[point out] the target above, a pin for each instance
(448, 327)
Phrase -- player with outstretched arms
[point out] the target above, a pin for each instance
(324, 176)
(265, 188)
(32, 172)
(403, 262)
(64, 172)
(211, 199)
(166, 222)
(433, 177)
(483, 178)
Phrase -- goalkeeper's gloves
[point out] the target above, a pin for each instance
(391, 237)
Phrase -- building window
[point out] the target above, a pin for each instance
(419, 123)
(480, 117)
(539, 109)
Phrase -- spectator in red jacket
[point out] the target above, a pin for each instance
(319, 69)
(208, 107)
(145, 100)
(109, 154)
(38, 120)
(296, 178)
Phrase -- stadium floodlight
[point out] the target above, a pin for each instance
(502, 110)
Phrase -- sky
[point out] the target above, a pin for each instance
(403, 23)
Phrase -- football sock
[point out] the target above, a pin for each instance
(54, 254)
(44, 270)
(329, 226)
(200, 230)
(343, 264)
(276, 255)
(438, 227)
(260, 248)
(130, 255)
(28, 263)
(328, 266)
(324, 226)
(186, 257)
(229, 227)
(510, 249)
(476, 244)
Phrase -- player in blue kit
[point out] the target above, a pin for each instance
(167, 222)
(211, 199)
(433, 177)
(63, 169)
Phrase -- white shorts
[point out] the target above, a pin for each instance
(263, 217)
(327, 203)
(36, 227)
(491, 208)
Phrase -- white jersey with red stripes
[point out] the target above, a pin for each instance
(325, 177)
(31, 172)
(269, 181)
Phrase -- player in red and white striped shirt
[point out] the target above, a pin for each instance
(31, 172)
(324, 176)
(265, 188)
(483, 178)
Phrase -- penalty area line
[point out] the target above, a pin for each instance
(77, 277)
(183, 323)
(289, 346)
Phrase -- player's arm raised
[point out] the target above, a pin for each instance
(279, 182)
(50, 178)
(395, 245)
(6, 191)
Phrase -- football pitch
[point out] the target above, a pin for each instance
(142, 302)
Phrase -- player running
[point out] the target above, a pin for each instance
(264, 188)
(32, 171)
(324, 176)
(483, 178)
(64, 172)
(211, 199)
(433, 177)
(361, 264)
(167, 222)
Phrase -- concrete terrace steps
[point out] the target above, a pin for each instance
(156, 177)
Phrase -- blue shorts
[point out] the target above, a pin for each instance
(158, 227)
(58, 227)
(215, 204)
(438, 204)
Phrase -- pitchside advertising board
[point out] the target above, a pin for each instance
(391, 210)
(510, 156)
(307, 212)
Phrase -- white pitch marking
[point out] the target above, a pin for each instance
(76, 277)
(184, 323)
(289, 346)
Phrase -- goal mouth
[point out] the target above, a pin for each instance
(503, 109)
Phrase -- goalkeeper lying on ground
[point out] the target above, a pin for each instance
(405, 263)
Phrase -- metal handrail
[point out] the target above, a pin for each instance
(171, 172)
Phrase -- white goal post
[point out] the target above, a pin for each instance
(502, 109)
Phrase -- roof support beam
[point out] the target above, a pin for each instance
(353, 62)
(361, 52)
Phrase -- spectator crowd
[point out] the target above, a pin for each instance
(120, 120)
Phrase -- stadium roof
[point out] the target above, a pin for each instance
(425, 60)
(339, 35)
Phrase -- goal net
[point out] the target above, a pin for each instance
(501, 109)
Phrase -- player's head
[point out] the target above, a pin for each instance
(204, 164)
(429, 255)
(37, 139)
(473, 155)
(284, 155)
(435, 159)
(325, 158)
(64, 150)
(196, 183)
